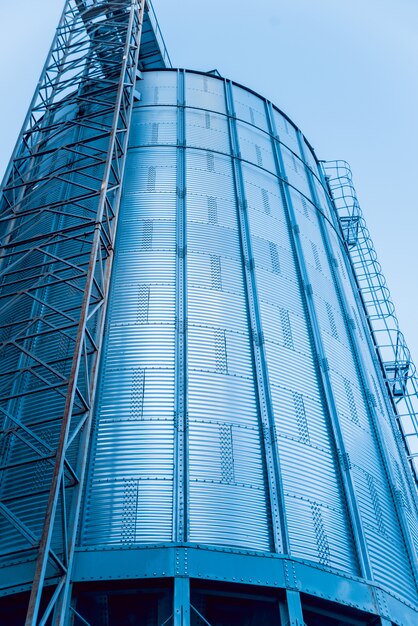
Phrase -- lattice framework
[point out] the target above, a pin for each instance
(59, 209)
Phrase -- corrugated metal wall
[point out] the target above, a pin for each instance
(240, 403)
(218, 421)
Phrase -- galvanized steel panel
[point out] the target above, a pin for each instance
(295, 171)
(286, 130)
(255, 146)
(147, 130)
(207, 130)
(250, 108)
(158, 89)
(205, 92)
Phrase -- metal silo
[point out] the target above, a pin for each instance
(209, 410)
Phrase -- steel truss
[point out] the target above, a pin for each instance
(398, 368)
(59, 210)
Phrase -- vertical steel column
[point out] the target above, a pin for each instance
(272, 460)
(364, 377)
(323, 368)
(181, 415)
(181, 610)
(294, 607)
(283, 612)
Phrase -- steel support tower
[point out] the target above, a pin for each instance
(59, 211)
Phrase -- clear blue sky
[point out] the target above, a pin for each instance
(345, 72)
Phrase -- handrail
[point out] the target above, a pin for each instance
(158, 34)
(398, 368)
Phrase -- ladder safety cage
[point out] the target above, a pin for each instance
(59, 207)
(394, 356)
